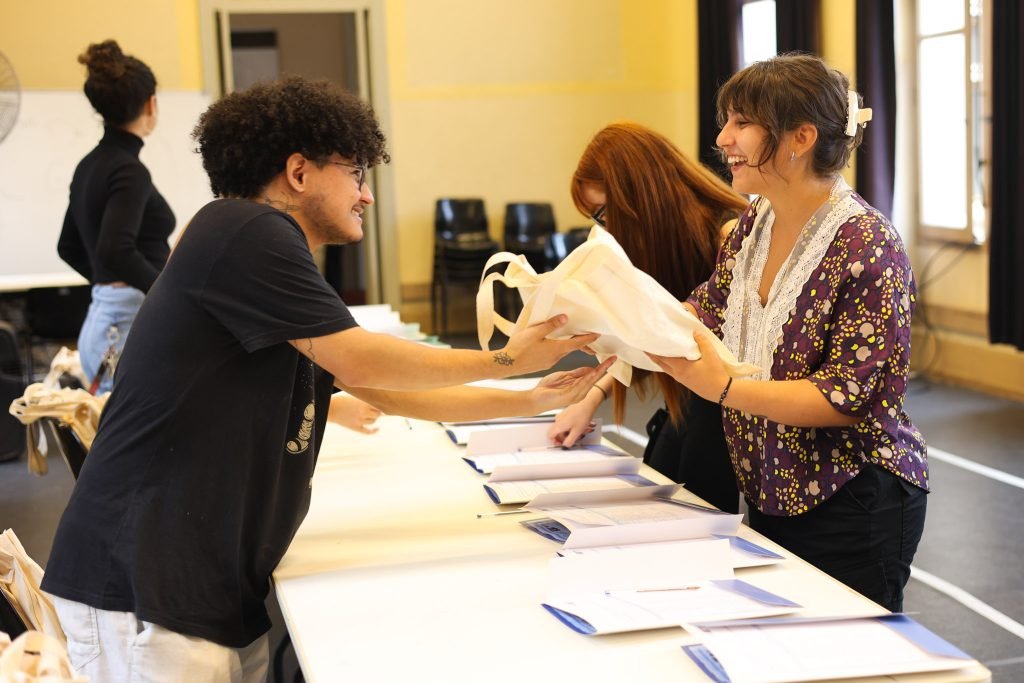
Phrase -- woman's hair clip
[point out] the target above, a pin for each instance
(855, 116)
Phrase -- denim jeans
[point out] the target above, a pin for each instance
(118, 647)
(110, 317)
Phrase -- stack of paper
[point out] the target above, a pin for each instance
(530, 445)
(742, 553)
(811, 649)
(381, 318)
(646, 514)
(522, 483)
(461, 432)
(655, 585)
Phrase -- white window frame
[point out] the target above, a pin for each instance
(978, 106)
(745, 59)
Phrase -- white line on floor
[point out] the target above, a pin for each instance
(627, 433)
(984, 470)
(967, 600)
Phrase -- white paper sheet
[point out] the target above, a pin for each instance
(816, 649)
(631, 516)
(506, 439)
(619, 611)
(509, 492)
(739, 557)
(545, 455)
(650, 566)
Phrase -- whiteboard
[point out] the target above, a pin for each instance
(55, 129)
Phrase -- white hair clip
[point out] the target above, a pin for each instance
(855, 116)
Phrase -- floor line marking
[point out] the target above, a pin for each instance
(627, 433)
(967, 600)
(1004, 662)
(977, 468)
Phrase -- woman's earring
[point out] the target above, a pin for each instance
(792, 155)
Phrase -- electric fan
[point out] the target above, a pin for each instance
(10, 97)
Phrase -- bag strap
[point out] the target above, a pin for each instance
(518, 274)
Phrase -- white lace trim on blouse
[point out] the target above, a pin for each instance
(754, 332)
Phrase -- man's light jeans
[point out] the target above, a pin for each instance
(115, 647)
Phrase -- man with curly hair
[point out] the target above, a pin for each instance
(202, 468)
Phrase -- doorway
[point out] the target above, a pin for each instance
(245, 41)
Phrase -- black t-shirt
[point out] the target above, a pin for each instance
(202, 468)
(117, 224)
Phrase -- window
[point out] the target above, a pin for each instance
(758, 31)
(950, 143)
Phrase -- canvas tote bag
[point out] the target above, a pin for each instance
(600, 291)
(20, 577)
(35, 657)
(75, 407)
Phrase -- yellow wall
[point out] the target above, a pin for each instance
(44, 39)
(497, 99)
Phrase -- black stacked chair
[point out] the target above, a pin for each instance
(12, 385)
(462, 246)
(528, 225)
(54, 315)
(560, 244)
(61, 438)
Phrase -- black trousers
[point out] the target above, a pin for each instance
(694, 453)
(865, 535)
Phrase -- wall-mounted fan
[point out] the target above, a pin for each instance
(10, 96)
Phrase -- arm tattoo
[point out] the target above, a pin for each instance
(502, 358)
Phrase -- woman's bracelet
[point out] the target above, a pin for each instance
(725, 392)
(604, 394)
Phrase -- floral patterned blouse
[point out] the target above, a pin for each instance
(838, 314)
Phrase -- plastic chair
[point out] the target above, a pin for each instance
(560, 244)
(54, 314)
(12, 385)
(61, 438)
(462, 245)
(528, 225)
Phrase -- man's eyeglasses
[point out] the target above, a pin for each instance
(598, 216)
(360, 175)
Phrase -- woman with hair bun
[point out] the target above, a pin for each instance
(117, 223)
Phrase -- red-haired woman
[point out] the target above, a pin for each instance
(669, 213)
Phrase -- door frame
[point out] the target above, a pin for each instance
(381, 252)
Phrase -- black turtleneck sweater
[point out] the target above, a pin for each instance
(117, 224)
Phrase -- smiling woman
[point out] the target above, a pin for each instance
(814, 287)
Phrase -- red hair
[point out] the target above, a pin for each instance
(666, 211)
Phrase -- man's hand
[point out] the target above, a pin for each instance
(350, 412)
(564, 388)
(529, 350)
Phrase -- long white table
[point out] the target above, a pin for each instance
(393, 578)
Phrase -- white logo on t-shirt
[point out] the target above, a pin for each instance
(301, 442)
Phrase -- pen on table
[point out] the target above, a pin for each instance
(408, 424)
(653, 590)
(518, 511)
(553, 447)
